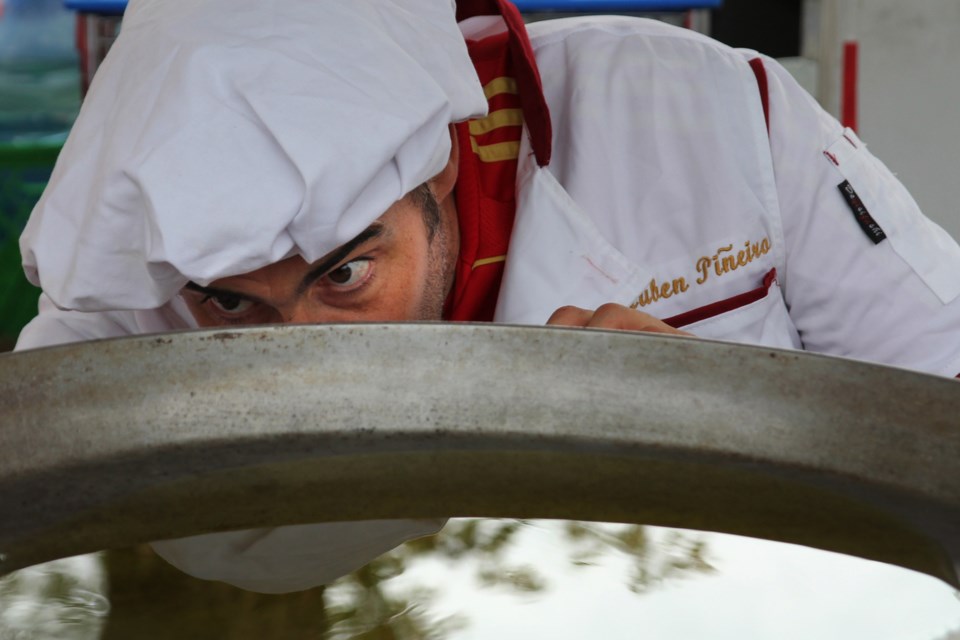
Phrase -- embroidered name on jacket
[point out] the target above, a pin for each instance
(724, 260)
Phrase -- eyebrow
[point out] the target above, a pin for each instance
(214, 291)
(334, 257)
(326, 263)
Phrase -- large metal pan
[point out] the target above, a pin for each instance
(111, 443)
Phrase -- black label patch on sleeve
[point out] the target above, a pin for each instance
(863, 217)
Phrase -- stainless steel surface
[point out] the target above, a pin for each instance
(111, 443)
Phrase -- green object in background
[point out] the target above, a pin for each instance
(24, 171)
(39, 100)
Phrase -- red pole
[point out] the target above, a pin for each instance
(83, 51)
(848, 97)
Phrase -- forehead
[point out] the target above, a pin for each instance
(402, 221)
(291, 269)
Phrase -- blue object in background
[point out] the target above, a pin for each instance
(108, 7)
(590, 6)
(115, 7)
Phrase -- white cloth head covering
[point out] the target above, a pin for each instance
(220, 136)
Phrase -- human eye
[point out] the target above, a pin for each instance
(228, 304)
(350, 275)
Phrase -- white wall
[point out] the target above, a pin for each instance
(909, 89)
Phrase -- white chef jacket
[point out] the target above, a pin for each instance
(684, 182)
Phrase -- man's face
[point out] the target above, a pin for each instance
(396, 270)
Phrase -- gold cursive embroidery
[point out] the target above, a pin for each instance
(656, 291)
(722, 262)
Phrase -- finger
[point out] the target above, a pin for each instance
(615, 316)
(571, 316)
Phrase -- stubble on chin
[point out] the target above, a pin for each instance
(443, 247)
(440, 272)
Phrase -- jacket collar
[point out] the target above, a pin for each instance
(536, 114)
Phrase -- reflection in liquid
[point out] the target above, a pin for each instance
(60, 599)
(501, 579)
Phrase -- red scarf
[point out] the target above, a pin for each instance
(489, 146)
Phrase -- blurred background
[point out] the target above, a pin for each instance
(39, 98)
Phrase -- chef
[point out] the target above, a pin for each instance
(239, 162)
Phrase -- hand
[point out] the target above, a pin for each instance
(611, 316)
